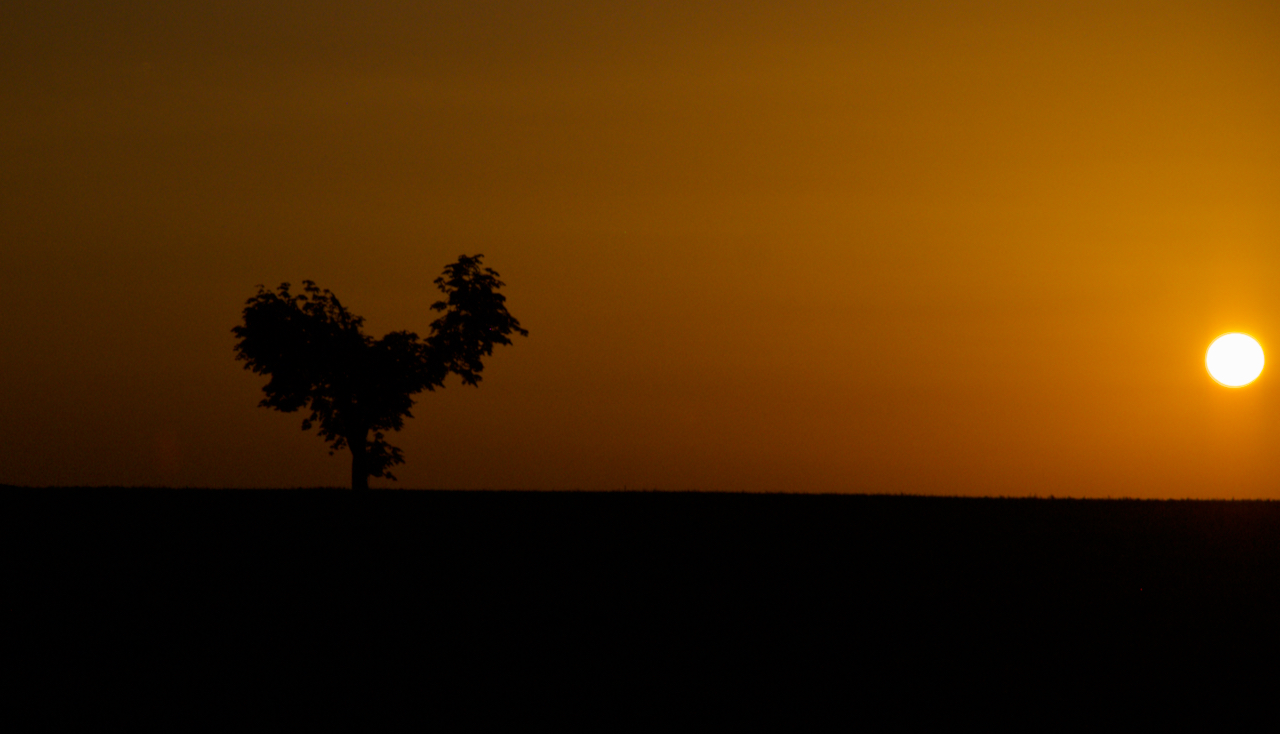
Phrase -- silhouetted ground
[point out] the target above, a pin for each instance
(501, 584)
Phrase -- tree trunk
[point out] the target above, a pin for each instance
(359, 465)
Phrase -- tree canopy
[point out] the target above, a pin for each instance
(319, 359)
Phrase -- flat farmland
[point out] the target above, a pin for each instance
(483, 581)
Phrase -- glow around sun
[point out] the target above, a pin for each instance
(1234, 360)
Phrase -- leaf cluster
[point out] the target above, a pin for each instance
(475, 318)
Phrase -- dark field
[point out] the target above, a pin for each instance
(501, 583)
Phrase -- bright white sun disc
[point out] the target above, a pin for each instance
(1234, 360)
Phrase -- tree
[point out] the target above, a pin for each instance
(318, 358)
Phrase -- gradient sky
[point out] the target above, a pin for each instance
(935, 247)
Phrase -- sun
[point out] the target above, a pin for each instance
(1234, 360)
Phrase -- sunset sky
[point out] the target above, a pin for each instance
(924, 247)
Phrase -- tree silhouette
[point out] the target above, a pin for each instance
(319, 359)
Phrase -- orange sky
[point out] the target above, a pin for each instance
(937, 247)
